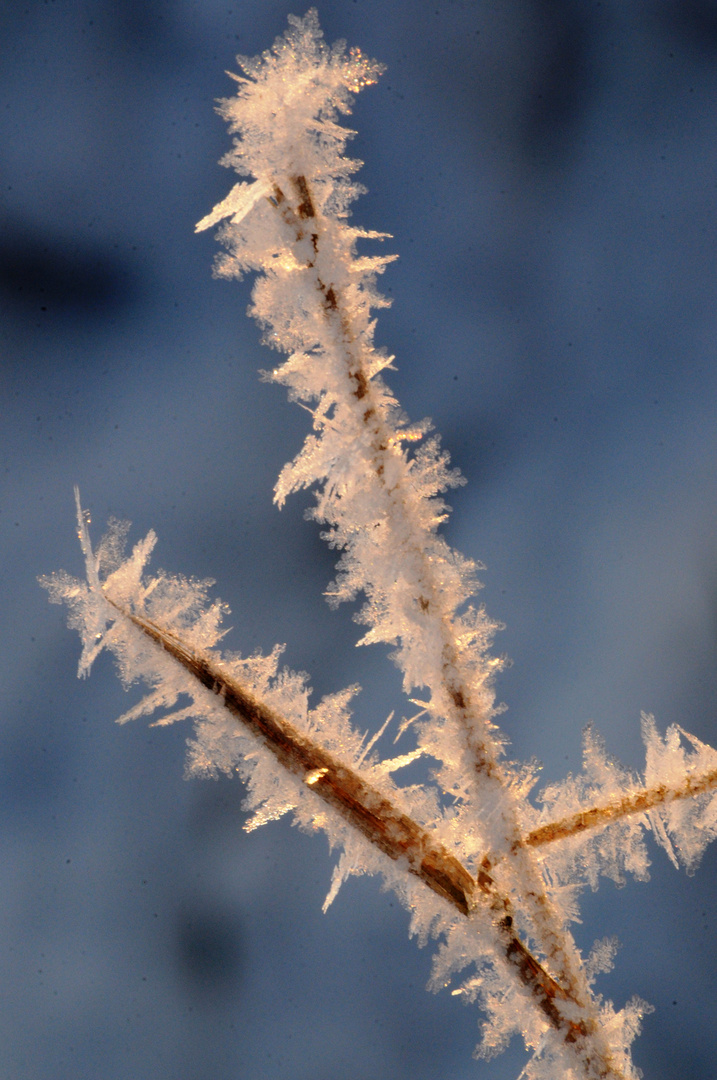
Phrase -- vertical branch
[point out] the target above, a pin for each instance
(459, 695)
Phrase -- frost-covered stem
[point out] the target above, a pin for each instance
(396, 505)
(369, 811)
(641, 802)
(465, 835)
(382, 505)
(361, 804)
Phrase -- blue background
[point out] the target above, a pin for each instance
(548, 171)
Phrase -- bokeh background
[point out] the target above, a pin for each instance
(549, 174)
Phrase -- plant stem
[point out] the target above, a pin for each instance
(458, 692)
(641, 802)
(382, 823)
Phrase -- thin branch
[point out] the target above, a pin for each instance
(375, 817)
(598, 817)
(297, 208)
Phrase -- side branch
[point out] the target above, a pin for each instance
(599, 817)
(361, 804)
(375, 816)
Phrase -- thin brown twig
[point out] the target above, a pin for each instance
(599, 817)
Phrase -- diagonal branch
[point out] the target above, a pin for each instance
(599, 817)
(374, 815)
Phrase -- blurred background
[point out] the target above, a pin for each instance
(549, 174)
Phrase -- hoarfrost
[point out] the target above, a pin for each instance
(503, 875)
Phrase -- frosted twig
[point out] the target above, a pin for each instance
(372, 814)
(463, 851)
(641, 802)
(366, 808)
(460, 692)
